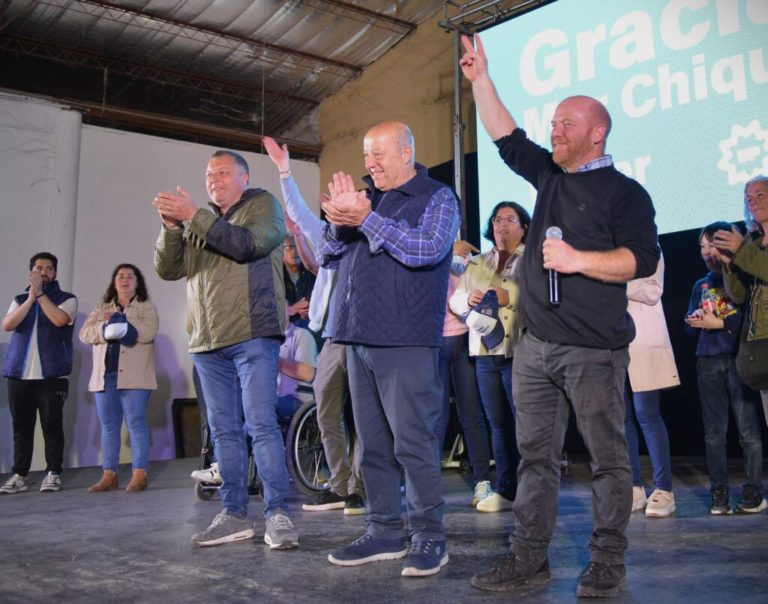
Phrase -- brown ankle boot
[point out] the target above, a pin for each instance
(138, 481)
(108, 482)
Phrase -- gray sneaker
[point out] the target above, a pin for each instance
(51, 483)
(15, 484)
(225, 528)
(279, 533)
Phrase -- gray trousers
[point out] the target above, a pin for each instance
(331, 395)
(546, 377)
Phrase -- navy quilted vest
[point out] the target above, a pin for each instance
(381, 302)
(54, 344)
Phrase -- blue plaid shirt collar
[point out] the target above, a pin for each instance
(601, 162)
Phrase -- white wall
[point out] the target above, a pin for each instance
(109, 219)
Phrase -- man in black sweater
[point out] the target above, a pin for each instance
(575, 350)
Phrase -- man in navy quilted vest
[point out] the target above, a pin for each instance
(37, 364)
(392, 246)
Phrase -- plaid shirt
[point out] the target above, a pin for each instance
(421, 246)
(601, 162)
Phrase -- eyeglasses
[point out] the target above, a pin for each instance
(503, 220)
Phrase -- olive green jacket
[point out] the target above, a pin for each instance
(746, 280)
(234, 269)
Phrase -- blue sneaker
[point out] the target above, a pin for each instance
(425, 558)
(368, 548)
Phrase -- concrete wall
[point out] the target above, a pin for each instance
(413, 83)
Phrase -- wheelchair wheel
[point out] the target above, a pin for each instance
(304, 451)
(204, 493)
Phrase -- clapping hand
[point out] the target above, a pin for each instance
(174, 207)
(347, 206)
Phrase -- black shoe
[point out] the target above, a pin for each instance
(601, 580)
(328, 500)
(511, 572)
(752, 500)
(354, 506)
(720, 501)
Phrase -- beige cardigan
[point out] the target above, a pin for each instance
(136, 367)
(651, 360)
(480, 272)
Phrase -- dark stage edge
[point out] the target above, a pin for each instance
(117, 547)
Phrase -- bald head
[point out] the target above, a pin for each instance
(580, 128)
(597, 112)
(389, 154)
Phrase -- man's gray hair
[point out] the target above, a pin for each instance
(752, 224)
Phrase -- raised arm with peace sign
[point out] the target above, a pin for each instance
(496, 118)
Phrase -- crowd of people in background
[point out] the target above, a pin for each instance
(381, 306)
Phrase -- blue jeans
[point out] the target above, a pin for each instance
(494, 380)
(719, 388)
(112, 405)
(396, 400)
(457, 373)
(287, 405)
(645, 406)
(545, 377)
(240, 381)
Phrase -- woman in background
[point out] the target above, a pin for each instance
(490, 280)
(122, 331)
(745, 274)
(651, 369)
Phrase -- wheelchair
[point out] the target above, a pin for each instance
(304, 453)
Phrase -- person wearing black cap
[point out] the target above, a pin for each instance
(487, 297)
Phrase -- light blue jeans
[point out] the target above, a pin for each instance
(111, 406)
(240, 382)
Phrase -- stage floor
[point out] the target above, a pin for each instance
(117, 547)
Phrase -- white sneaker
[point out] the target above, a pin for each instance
(210, 475)
(494, 503)
(51, 483)
(638, 498)
(15, 484)
(482, 490)
(660, 504)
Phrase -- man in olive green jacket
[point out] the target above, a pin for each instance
(232, 258)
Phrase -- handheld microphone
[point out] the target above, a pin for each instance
(554, 232)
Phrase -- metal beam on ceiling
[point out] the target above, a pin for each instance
(373, 17)
(176, 125)
(149, 21)
(476, 14)
(98, 113)
(468, 18)
(78, 58)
